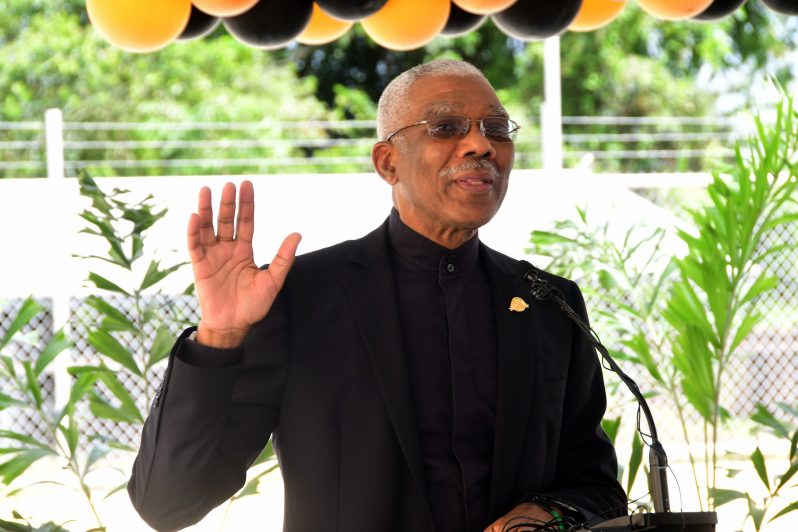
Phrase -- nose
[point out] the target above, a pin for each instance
(475, 145)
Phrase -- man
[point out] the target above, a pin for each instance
(401, 391)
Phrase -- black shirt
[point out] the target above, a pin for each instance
(450, 339)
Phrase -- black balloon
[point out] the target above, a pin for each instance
(785, 7)
(461, 21)
(719, 9)
(531, 20)
(199, 24)
(351, 9)
(270, 24)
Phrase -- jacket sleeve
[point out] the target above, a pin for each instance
(208, 423)
(586, 469)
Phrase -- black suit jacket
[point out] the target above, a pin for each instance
(325, 374)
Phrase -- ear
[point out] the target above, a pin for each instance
(383, 155)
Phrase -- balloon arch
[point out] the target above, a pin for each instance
(148, 25)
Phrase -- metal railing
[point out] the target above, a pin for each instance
(56, 148)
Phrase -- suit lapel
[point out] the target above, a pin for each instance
(371, 289)
(515, 333)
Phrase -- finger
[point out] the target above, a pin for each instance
(245, 224)
(225, 223)
(284, 259)
(205, 214)
(195, 248)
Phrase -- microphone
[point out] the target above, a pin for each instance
(543, 290)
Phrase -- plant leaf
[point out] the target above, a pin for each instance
(25, 313)
(110, 347)
(114, 319)
(722, 496)
(7, 400)
(635, 460)
(104, 284)
(792, 507)
(116, 387)
(57, 344)
(154, 275)
(761, 468)
(11, 469)
(161, 345)
(32, 384)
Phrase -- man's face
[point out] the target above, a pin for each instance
(443, 186)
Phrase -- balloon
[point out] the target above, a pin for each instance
(673, 9)
(323, 28)
(531, 20)
(484, 7)
(719, 9)
(407, 24)
(271, 24)
(595, 14)
(351, 9)
(785, 7)
(224, 8)
(461, 22)
(199, 25)
(139, 25)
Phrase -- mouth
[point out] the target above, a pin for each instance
(475, 182)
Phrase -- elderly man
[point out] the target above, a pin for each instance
(400, 389)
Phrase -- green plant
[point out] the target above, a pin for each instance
(26, 526)
(776, 485)
(135, 329)
(24, 384)
(685, 320)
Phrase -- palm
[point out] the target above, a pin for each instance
(233, 292)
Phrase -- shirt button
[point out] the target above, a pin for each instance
(450, 267)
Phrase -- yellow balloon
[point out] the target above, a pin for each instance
(323, 28)
(139, 25)
(674, 9)
(484, 7)
(595, 14)
(407, 24)
(224, 8)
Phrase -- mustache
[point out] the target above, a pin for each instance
(471, 165)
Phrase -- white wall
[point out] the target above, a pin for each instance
(39, 222)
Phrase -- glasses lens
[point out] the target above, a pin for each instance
(446, 126)
(499, 129)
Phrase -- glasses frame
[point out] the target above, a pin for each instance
(513, 133)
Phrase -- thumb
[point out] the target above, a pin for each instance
(284, 259)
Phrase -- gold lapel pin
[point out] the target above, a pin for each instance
(518, 305)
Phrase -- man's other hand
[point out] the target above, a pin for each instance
(528, 514)
(233, 292)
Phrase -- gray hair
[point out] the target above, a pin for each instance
(393, 102)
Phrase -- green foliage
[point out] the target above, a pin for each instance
(23, 525)
(683, 320)
(22, 382)
(774, 486)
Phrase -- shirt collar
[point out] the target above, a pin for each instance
(423, 252)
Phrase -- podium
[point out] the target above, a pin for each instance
(661, 522)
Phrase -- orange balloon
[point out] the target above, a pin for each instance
(323, 28)
(674, 9)
(224, 8)
(139, 25)
(595, 14)
(484, 7)
(407, 24)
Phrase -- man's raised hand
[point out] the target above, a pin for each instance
(233, 292)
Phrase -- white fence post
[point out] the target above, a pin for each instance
(551, 110)
(54, 139)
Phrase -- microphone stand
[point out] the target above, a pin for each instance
(542, 290)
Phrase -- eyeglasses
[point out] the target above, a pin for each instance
(495, 128)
